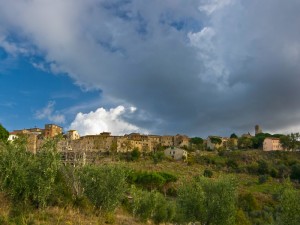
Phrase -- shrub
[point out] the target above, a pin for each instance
(104, 186)
(263, 167)
(153, 180)
(207, 201)
(29, 178)
(295, 172)
(135, 154)
(247, 202)
(207, 173)
(232, 164)
(289, 207)
(151, 205)
(263, 179)
(158, 157)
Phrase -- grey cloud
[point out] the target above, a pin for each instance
(140, 53)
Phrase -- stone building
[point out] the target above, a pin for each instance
(52, 130)
(167, 141)
(181, 140)
(73, 135)
(176, 153)
(272, 144)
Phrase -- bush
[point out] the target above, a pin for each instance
(263, 167)
(207, 173)
(232, 164)
(152, 180)
(158, 157)
(295, 172)
(104, 186)
(135, 154)
(207, 201)
(29, 178)
(263, 179)
(151, 205)
(289, 207)
(247, 202)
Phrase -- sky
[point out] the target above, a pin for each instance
(195, 67)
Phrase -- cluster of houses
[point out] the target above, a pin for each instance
(73, 147)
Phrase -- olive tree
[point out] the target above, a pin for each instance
(28, 178)
(289, 207)
(210, 202)
(151, 205)
(104, 186)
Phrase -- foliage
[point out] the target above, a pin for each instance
(190, 202)
(26, 177)
(3, 133)
(247, 202)
(295, 172)
(215, 140)
(263, 167)
(233, 135)
(105, 186)
(196, 143)
(135, 154)
(207, 201)
(151, 205)
(259, 139)
(291, 141)
(231, 163)
(153, 180)
(245, 143)
(241, 218)
(232, 144)
(263, 179)
(289, 207)
(208, 173)
(158, 156)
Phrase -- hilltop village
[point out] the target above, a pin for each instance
(73, 147)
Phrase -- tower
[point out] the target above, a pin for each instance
(258, 130)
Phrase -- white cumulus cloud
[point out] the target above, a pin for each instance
(103, 120)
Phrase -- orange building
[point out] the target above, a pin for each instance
(51, 130)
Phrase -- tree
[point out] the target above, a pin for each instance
(290, 141)
(104, 186)
(28, 178)
(151, 205)
(259, 139)
(233, 135)
(190, 202)
(215, 140)
(232, 143)
(263, 167)
(135, 154)
(196, 143)
(150, 180)
(210, 202)
(245, 143)
(3, 133)
(289, 207)
(295, 172)
(158, 156)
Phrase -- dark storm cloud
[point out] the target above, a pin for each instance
(194, 67)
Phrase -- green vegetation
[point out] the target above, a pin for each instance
(3, 133)
(216, 140)
(226, 187)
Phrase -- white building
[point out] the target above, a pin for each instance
(176, 153)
